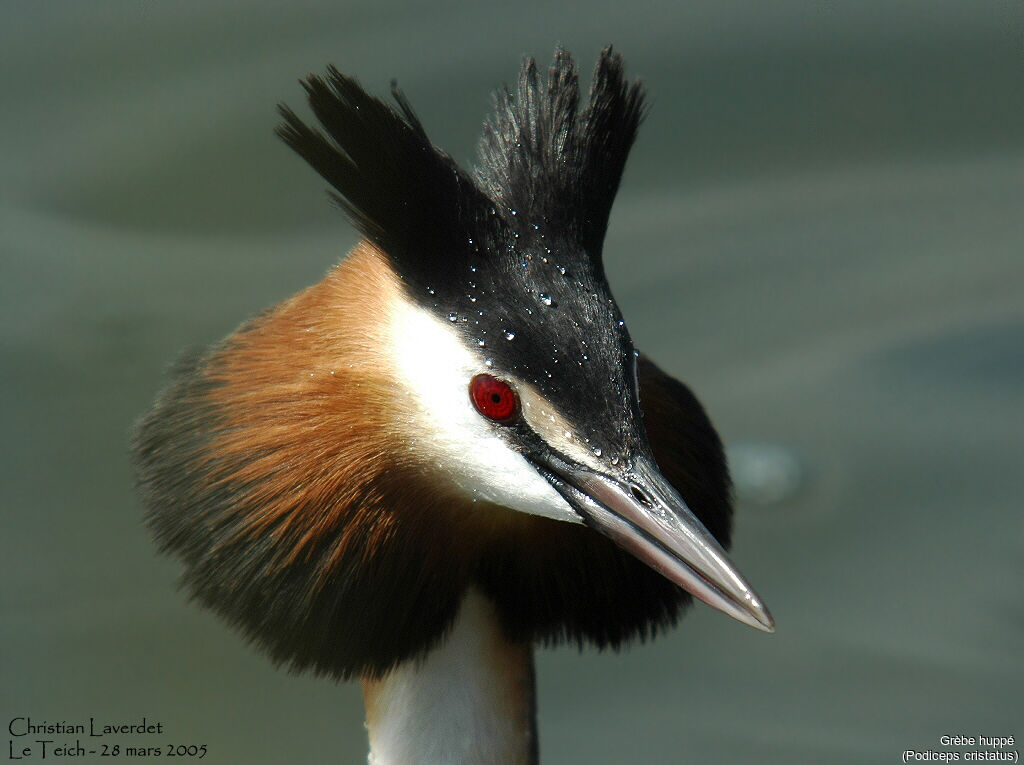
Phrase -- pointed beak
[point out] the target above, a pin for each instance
(642, 513)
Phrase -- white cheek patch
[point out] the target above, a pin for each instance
(436, 367)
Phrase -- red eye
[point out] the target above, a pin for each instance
(494, 398)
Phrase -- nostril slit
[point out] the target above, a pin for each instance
(640, 496)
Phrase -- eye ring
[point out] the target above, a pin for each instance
(495, 399)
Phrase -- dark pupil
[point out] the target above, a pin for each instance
(496, 398)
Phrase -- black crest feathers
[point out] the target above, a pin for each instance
(542, 156)
(542, 160)
(398, 189)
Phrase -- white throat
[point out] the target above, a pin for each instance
(471, 700)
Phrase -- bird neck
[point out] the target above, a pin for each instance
(471, 700)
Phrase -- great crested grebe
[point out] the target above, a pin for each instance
(397, 474)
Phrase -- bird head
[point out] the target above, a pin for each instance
(459, 403)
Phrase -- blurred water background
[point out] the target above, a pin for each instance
(820, 229)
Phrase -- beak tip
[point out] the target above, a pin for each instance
(763, 620)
